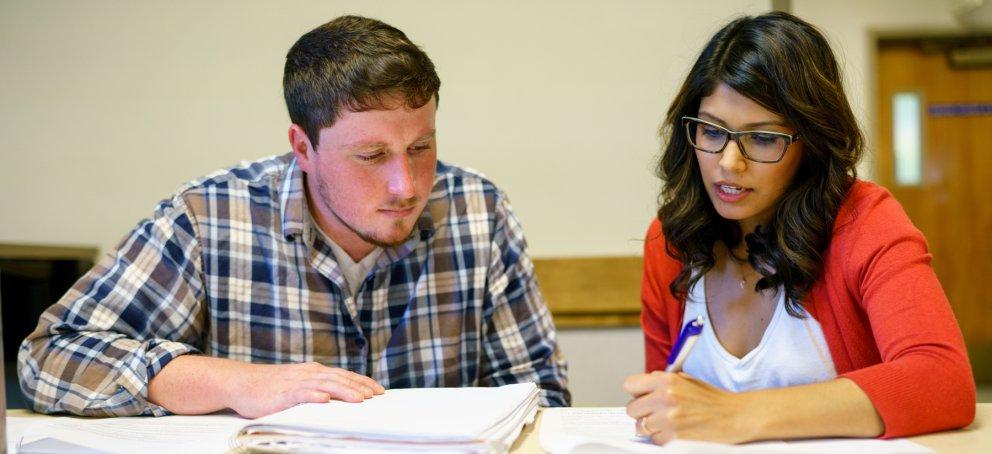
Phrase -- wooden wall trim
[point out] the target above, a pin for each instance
(592, 292)
(42, 252)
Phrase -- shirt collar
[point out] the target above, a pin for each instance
(292, 199)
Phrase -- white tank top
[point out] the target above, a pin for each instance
(792, 351)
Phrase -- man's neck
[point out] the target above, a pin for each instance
(357, 249)
(340, 234)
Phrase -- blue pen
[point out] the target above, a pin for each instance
(683, 345)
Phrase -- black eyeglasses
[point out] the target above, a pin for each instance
(757, 146)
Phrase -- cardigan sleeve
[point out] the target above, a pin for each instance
(924, 382)
(656, 301)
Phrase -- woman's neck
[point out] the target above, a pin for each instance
(748, 226)
(738, 252)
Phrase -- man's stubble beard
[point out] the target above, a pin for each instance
(323, 195)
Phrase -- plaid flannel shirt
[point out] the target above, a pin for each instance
(229, 267)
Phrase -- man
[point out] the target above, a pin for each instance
(357, 262)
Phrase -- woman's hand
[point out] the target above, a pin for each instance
(668, 406)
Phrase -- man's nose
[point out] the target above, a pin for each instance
(401, 178)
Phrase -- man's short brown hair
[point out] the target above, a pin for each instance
(354, 63)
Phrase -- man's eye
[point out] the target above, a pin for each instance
(419, 148)
(370, 157)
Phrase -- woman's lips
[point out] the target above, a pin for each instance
(731, 193)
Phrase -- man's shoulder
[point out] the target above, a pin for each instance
(269, 171)
(461, 175)
(463, 195)
(455, 179)
(249, 185)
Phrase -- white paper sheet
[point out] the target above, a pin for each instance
(15, 427)
(147, 435)
(610, 430)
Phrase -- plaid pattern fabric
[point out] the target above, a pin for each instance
(230, 267)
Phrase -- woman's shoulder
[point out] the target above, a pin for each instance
(863, 194)
(654, 234)
(870, 218)
(654, 239)
(656, 255)
(868, 205)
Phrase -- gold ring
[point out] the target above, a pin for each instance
(643, 422)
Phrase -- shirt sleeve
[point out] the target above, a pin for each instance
(95, 350)
(924, 382)
(519, 338)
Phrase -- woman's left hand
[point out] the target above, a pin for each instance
(668, 406)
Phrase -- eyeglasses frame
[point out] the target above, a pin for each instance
(735, 136)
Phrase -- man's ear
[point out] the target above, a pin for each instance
(302, 148)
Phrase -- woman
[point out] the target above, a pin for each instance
(822, 315)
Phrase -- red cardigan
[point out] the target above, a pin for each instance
(886, 319)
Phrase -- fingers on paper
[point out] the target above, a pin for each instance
(662, 437)
(339, 388)
(362, 381)
(316, 397)
(347, 385)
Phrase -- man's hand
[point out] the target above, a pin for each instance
(193, 384)
(262, 389)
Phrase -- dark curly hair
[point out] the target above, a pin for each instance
(784, 64)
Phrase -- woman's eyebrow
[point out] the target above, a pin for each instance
(749, 126)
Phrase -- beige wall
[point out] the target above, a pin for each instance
(598, 362)
(107, 106)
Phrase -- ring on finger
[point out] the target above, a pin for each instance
(643, 423)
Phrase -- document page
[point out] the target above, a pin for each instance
(577, 429)
(147, 435)
(609, 430)
(612, 423)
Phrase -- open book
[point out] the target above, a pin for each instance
(425, 419)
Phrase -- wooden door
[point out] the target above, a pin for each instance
(952, 204)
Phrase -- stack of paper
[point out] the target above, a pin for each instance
(426, 419)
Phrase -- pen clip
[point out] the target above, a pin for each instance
(684, 344)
